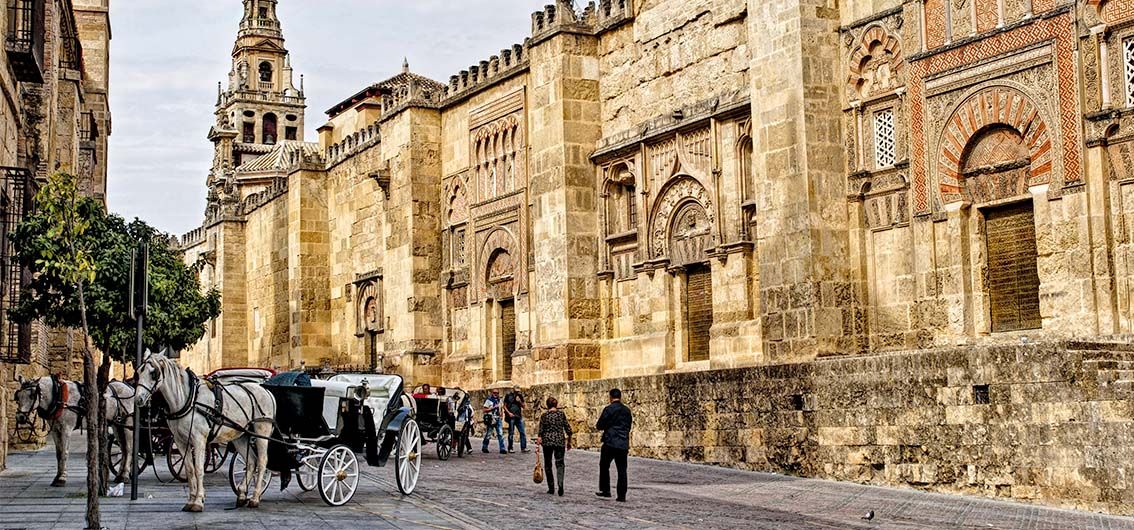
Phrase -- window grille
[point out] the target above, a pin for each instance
(631, 208)
(884, 155)
(16, 191)
(1128, 68)
(25, 39)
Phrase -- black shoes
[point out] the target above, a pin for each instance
(601, 494)
(620, 500)
(552, 492)
(560, 493)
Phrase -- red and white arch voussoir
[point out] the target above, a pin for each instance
(993, 106)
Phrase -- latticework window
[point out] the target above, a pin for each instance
(1128, 69)
(884, 155)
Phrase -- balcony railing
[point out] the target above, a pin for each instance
(17, 189)
(25, 39)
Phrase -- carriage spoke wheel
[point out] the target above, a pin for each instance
(308, 472)
(236, 471)
(117, 453)
(216, 457)
(444, 442)
(175, 462)
(338, 475)
(407, 467)
(117, 442)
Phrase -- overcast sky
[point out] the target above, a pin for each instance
(166, 58)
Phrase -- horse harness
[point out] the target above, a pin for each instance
(214, 415)
(60, 395)
(122, 413)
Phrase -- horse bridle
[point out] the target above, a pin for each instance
(21, 414)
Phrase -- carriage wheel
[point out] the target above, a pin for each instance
(236, 471)
(216, 457)
(175, 462)
(408, 465)
(118, 454)
(338, 475)
(308, 472)
(444, 442)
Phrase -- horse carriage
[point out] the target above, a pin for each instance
(321, 429)
(312, 432)
(439, 417)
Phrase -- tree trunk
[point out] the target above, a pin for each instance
(90, 377)
(103, 431)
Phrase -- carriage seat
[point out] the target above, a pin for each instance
(299, 411)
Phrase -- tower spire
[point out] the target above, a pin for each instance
(260, 19)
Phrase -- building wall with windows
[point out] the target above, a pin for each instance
(723, 192)
(54, 116)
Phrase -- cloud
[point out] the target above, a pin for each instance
(163, 77)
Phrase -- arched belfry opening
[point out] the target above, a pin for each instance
(266, 72)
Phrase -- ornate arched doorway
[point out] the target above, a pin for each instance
(501, 275)
(994, 148)
(683, 231)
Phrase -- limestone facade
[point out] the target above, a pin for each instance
(55, 116)
(643, 189)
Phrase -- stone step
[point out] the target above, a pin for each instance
(1109, 364)
(1107, 376)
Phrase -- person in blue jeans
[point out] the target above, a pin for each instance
(492, 421)
(514, 414)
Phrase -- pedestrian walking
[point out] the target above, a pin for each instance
(554, 440)
(615, 423)
(514, 413)
(491, 412)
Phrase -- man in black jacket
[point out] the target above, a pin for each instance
(615, 423)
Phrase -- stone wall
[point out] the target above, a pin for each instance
(1047, 423)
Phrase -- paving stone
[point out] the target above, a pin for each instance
(495, 491)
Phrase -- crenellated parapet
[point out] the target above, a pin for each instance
(561, 17)
(509, 62)
(358, 141)
(413, 93)
(194, 237)
(613, 13)
(256, 200)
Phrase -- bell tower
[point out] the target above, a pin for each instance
(259, 108)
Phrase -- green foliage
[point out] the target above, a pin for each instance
(178, 309)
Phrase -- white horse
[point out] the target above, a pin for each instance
(57, 402)
(245, 417)
(120, 418)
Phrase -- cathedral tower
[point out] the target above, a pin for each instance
(260, 106)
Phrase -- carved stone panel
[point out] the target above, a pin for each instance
(673, 210)
(690, 235)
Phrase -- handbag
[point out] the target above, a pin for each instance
(537, 473)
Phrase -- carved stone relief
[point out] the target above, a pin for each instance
(673, 201)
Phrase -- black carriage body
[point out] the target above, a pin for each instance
(299, 417)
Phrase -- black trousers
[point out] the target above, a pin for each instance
(618, 456)
(551, 453)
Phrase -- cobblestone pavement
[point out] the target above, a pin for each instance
(27, 501)
(495, 491)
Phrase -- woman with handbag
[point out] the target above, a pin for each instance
(555, 440)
